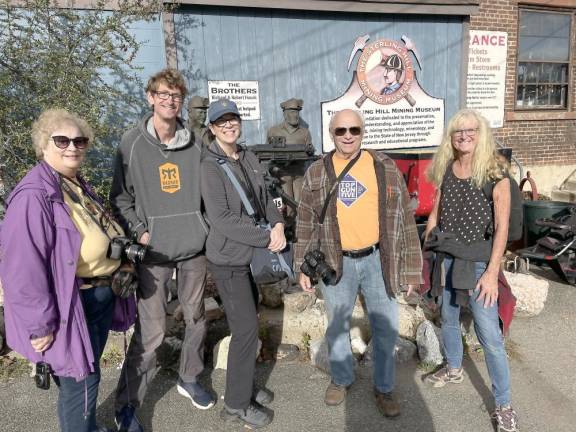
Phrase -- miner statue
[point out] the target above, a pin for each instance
(197, 117)
(291, 132)
(291, 128)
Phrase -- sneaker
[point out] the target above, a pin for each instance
(126, 420)
(506, 419)
(335, 394)
(253, 417)
(387, 404)
(263, 396)
(200, 398)
(444, 376)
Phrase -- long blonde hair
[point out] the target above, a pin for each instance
(487, 164)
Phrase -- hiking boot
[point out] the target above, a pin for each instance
(444, 376)
(387, 404)
(200, 398)
(263, 396)
(253, 417)
(506, 419)
(335, 394)
(126, 420)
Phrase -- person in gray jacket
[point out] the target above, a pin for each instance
(230, 246)
(156, 196)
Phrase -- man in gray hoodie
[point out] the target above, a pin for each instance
(156, 196)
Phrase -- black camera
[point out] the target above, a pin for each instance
(42, 377)
(123, 247)
(316, 268)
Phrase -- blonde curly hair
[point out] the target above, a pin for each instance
(52, 119)
(487, 164)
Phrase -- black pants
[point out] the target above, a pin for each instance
(239, 297)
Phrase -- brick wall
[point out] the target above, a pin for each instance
(534, 142)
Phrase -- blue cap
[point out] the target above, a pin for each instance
(220, 107)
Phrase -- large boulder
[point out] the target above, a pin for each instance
(404, 351)
(298, 301)
(429, 341)
(530, 292)
(409, 318)
(319, 355)
(357, 341)
(221, 352)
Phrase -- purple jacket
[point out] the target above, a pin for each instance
(39, 250)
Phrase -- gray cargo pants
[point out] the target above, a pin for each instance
(140, 364)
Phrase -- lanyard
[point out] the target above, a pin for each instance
(74, 197)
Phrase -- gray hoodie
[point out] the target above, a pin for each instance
(156, 188)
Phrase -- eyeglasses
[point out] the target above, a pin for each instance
(164, 95)
(62, 142)
(468, 132)
(354, 131)
(222, 121)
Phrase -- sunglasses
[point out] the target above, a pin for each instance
(62, 142)
(354, 131)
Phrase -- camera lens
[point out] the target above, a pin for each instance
(326, 273)
(135, 252)
(307, 270)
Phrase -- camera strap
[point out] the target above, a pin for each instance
(347, 168)
(74, 197)
(250, 210)
(236, 183)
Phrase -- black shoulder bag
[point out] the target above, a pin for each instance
(263, 260)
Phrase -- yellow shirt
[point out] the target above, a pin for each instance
(92, 261)
(357, 204)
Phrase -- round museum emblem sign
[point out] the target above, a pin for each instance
(385, 72)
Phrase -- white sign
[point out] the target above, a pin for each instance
(487, 74)
(392, 127)
(398, 113)
(244, 93)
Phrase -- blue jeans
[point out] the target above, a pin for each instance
(487, 326)
(77, 400)
(364, 275)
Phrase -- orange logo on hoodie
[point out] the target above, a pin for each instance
(169, 177)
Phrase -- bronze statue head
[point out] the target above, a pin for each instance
(197, 112)
(291, 109)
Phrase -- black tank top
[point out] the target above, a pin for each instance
(464, 210)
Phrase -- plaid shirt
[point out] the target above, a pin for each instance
(399, 243)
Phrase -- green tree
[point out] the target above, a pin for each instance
(81, 60)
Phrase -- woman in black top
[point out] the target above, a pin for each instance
(231, 241)
(471, 234)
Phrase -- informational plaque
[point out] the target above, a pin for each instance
(244, 93)
(397, 111)
(487, 74)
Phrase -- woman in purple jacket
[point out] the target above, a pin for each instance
(55, 271)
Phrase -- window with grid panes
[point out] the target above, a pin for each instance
(543, 60)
